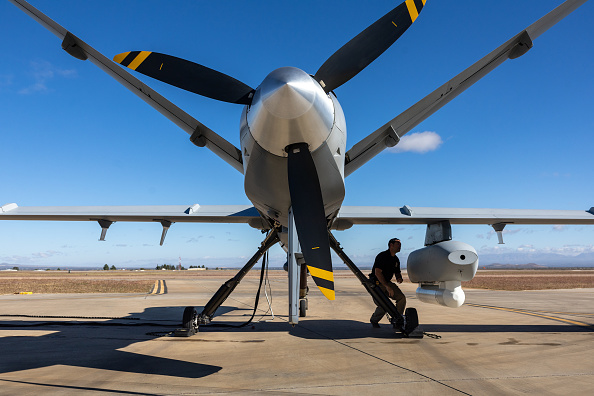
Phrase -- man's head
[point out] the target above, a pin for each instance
(394, 245)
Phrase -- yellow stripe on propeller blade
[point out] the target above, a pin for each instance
(324, 280)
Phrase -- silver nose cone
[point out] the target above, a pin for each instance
(290, 107)
(288, 93)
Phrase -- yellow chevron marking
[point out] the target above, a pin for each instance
(424, 1)
(320, 273)
(394, 24)
(412, 9)
(161, 66)
(328, 293)
(139, 59)
(119, 58)
(314, 248)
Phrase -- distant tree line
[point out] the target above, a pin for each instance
(170, 267)
(167, 267)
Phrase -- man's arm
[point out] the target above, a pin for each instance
(398, 273)
(380, 277)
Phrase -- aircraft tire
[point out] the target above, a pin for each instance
(302, 308)
(188, 318)
(411, 320)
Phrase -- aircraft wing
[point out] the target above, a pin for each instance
(350, 215)
(164, 214)
(199, 133)
(390, 133)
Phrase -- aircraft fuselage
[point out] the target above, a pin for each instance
(291, 107)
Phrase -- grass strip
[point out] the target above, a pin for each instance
(52, 286)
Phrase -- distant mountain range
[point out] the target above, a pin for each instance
(7, 266)
(513, 266)
(547, 260)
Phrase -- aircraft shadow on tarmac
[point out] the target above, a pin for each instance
(351, 329)
(95, 345)
(313, 328)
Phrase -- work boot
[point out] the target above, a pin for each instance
(398, 323)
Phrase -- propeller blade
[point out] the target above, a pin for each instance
(187, 75)
(310, 219)
(358, 53)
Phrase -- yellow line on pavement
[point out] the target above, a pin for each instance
(159, 287)
(520, 311)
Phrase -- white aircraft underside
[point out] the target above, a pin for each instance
(293, 143)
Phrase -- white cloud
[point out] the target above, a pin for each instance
(526, 248)
(566, 250)
(419, 142)
(6, 80)
(42, 72)
(16, 260)
(46, 254)
(556, 175)
(497, 249)
(33, 258)
(571, 250)
(492, 233)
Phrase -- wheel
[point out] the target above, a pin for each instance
(302, 307)
(189, 321)
(411, 320)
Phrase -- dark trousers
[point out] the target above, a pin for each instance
(399, 297)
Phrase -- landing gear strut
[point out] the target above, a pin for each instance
(407, 324)
(192, 320)
(303, 290)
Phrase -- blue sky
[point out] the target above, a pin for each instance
(70, 135)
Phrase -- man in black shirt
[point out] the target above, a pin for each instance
(387, 265)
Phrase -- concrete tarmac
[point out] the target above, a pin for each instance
(498, 343)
